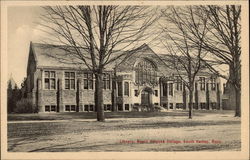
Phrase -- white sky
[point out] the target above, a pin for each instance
(23, 27)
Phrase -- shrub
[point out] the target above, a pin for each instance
(25, 105)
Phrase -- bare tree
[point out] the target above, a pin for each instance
(94, 33)
(186, 54)
(223, 43)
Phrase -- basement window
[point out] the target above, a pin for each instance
(50, 108)
(127, 107)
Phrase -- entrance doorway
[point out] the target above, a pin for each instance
(146, 97)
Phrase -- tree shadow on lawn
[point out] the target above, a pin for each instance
(92, 115)
(33, 130)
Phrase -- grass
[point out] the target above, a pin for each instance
(92, 115)
(74, 135)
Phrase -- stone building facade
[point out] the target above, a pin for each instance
(138, 78)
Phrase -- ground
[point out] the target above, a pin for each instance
(168, 131)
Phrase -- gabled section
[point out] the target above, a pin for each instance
(144, 52)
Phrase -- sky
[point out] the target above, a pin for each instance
(22, 28)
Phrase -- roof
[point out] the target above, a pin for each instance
(61, 56)
(168, 59)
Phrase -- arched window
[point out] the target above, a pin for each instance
(145, 72)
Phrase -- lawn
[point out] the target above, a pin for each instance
(109, 115)
(153, 131)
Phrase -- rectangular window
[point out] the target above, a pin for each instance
(178, 83)
(126, 107)
(126, 88)
(86, 107)
(156, 104)
(179, 105)
(136, 93)
(165, 89)
(120, 107)
(213, 84)
(170, 89)
(67, 84)
(203, 105)
(156, 93)
(88, 80)
(53, 108)
(119, 85)
(47, 83)
(165, 105)
(69, 80)
(106, 81)
(49, 80)
(91, 107)
(47, 108)
(72, 108)
(67, 108)
(202, 83)
(213, 105)
(170, 105)
(108, 107)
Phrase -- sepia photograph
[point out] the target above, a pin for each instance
(124, 78)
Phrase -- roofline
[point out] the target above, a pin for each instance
(67, 68)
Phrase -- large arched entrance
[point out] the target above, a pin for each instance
(146, 97)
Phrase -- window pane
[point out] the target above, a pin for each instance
(90, 84)
(47, 108)
(46, 74)
(85, 83)
(73, 108)
(120, 107)
(165, 89)
(136, 76)
(53, 83)
(67, 108)
(91, 107)
(108, 84)
(156, 93)
(72, 75)
(85, 75)
(104, 84)
(136, 92)
(126, 88)
(170, 89)
(104, 76)
(66, 83)
(141, 76)
(46, 83)
(86, 107)
(52, 74)
(53, 108)
(66, 74)
(108, 107)
(72, 84)
(126, 107)
(119, 85)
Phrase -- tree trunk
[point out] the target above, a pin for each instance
(99, 97)
(190, 113)
(237, 102)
